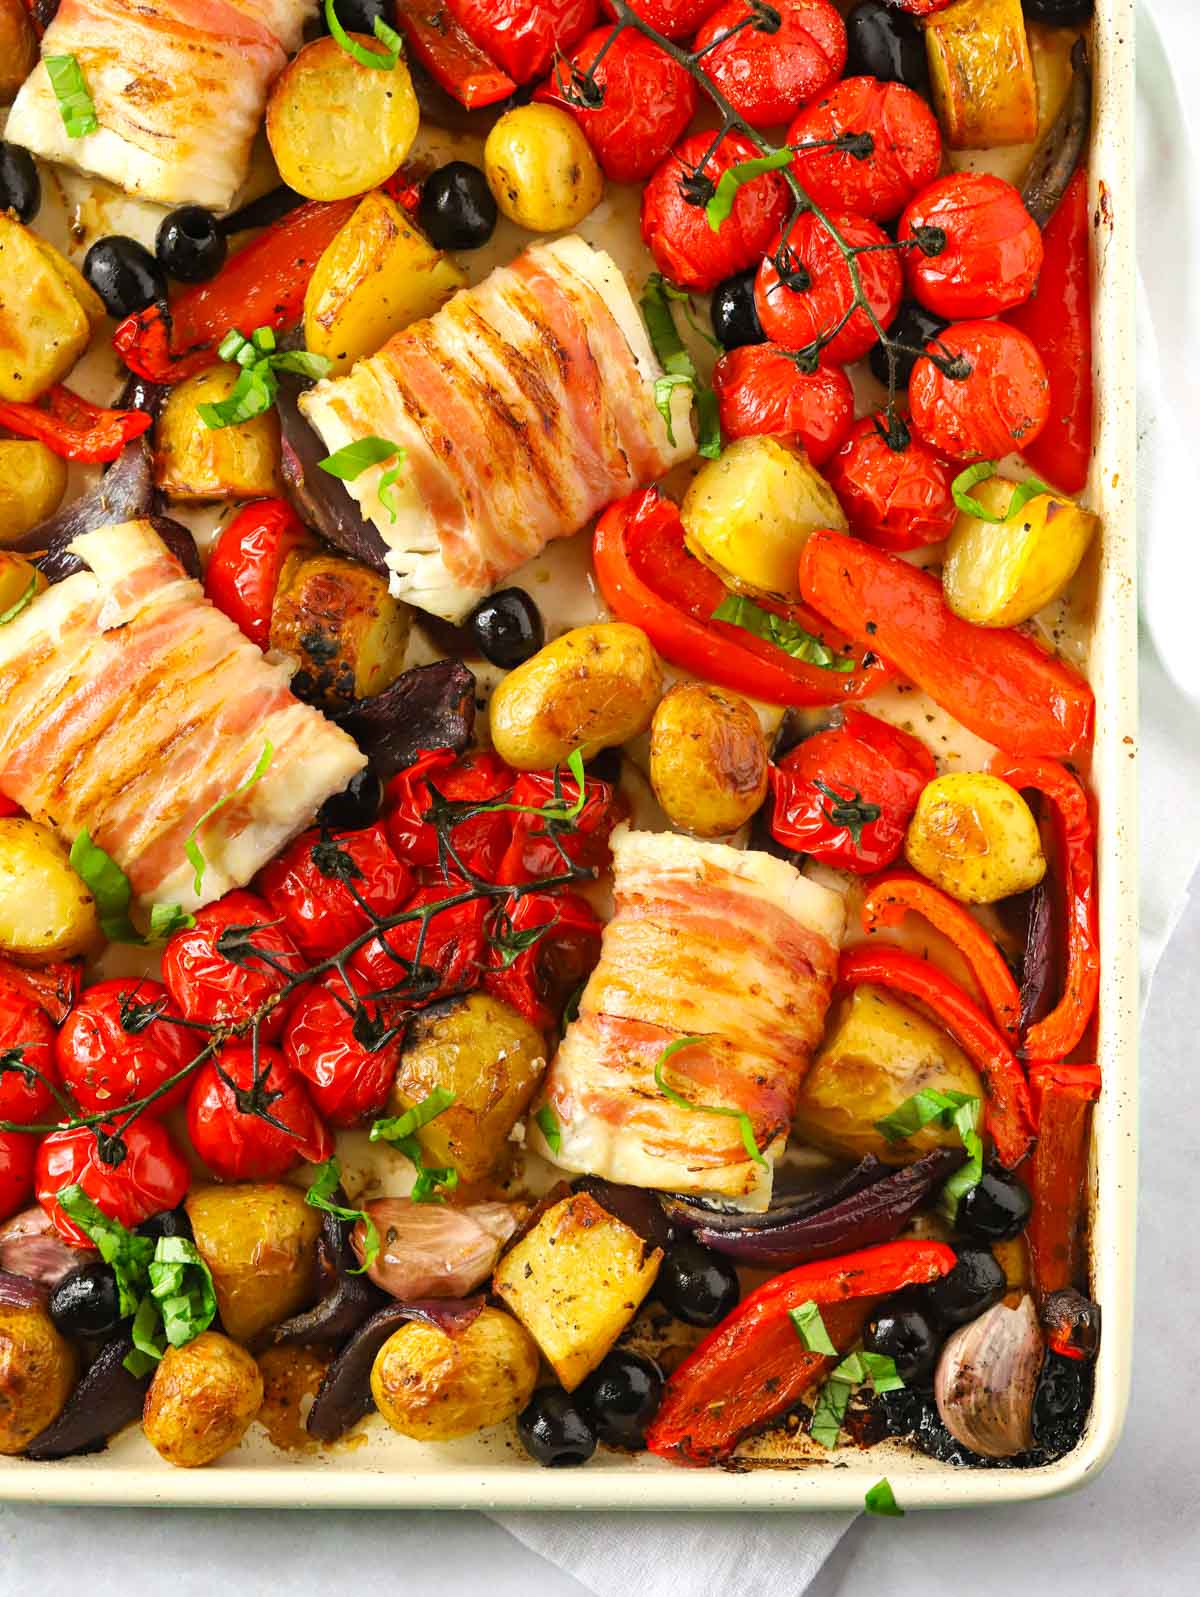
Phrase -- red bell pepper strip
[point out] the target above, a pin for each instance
(889, 898)
(1063, 1096)
(1009, 1112)
(261, 285)
(73, 427)
(1058, 318)
(754, 1366)
(1000, 684)
(450, 55)
(649, 578)
(1063, 1028)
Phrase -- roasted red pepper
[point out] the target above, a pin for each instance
(450, 55)
(536, 847)
(244, 568)
(1000, 684)
(1009, 1112)
(1063, 1028)
(538, 979)
(754, 1366)
(524, 36)
(845, 795)
(649, 578)
(1063, 1096)
(900, 893)
(479, 778)
(73, 427)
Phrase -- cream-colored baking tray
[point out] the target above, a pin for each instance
(379, 1469)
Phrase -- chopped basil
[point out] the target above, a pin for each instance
(111, 889)
(881, 1499)
(388, 37)
(981, 471)
(352, 459)
(810, 1328)
(74, 102)
(677, 364)
(745, 1124)
(27, 598)
(191, 847)
(664, 390)
(257, 386)
(834, 1397)
(787, 635)
(400, 1131)
(549, 1127)
(181, 1284)
(324, 1184)
(953, 1110)
(166, 919)
(731, 180)
(127, 1253)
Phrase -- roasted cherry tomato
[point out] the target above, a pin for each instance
(520, 36)
(761, 389)
(538, 980)
(895, 492)
(996, 401)
(674, 226)
(450, 954)
(533, 850)
(9, 807)
(674, 19)
(647, 100)
(478, 778)
(18, 1155)
(845, 795)
(234, 1141)
(26, 1044)
(992, 250)
(151, 1175)
(54, 988)
(348, 1079)
(314, 884)
(116, 1046)
(213, 973)
(244, 567)
(804, 288)
(905, 148)
(768, 73)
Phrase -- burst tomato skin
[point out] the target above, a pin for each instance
(521, 37)
(993, 250)
(25, 1025)
(318, 909)
(152, 1176)
(477, 778)
(684, 247)
(761, 389)
(1000, 405)
(907, 152)
(768, 76)
(674, 19)
(895, 499)
(453, 946)
(103, 1066)
(243, 569)
(18, 1156)
(796, 317)
(347, 1082)
(208, 986)
(241, 1146)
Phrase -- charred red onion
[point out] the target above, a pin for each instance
(106, 1400)
(349, 1299)
(31, 1247)
(692, 1215)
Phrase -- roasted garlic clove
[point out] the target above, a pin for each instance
(986, 1379)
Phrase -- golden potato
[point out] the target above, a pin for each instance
(291, 1377)
(193, 461)
(975, 837)
(46, 913)
(46, 318)
(981, 71)
(1000, 573)
(33, 480)
(749, 514)
(37, 1373)
(20, 584)
(490, 1058)
(434, 1386)
(591, 689)
(336, 127)
(259, 1240)
(708, 759)
(201, 1400)
(18, 48)
(541, 169)
(347, 631)
(877, 1052)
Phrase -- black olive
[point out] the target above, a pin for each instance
(191, 244)
(1061, 1402)
(507, 627)
(20, 185)
(697, 1285)
(915, 326)
(554, 1430)
(621, 1397)
(86, 1302)
(885, 44)
(902, 1331)
(734, 314)
(1066, 13)
(972, 1287)
(457, 208)
(357, 805)
(169, 1223)
(995, 1209)
(124, 274)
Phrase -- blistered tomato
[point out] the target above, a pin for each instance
(991, 248)
(234, 1141)
(761, 390)
(27, 1036)
(149, 1176)
(521, 37)
(538, 979)
(348, 1076)
(417, 970)
(895, 491)
(18, 1155)
(804, 289)
(768, 73)
(905, 148)
(538, 847)
(215, 972)
(674, 19)
(244, 568)
(479, 778)
(117, 1045)
(995, 399)
(316, 882)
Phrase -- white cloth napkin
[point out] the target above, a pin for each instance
(665, 1555)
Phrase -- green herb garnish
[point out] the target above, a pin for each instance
(74, 102)
(324, 1184)
(953, 1110)
(181, 1284)
(981, 471)
(787, 635)
(191, 847)
(881, 1499)
(745, 1124)
(111, 889)
(388, 38)
(400, 1131)
(810, 1328)
(677, 364)
(549, 1127)
(27, 598)
(731, 180)
(834, 1397)
(257, 386)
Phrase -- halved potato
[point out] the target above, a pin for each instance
(346, 629)
(46, 913)
(975, 837)
(984, 90)
(259, 1240)
(33, 480)
(195, 462)
(47, 313)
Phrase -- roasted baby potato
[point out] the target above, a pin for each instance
(18, 48)
(46, 913)
(336, 127)
(975, 837)
(591, 689)
(541, 169)
(196, 462)
(37, 1373)
(378, 274)
(708, 759)
(748, 515)
(877, 1052)
(338, 618)
(575, 1281)
(984, 89)
(20, 584)
(47, 313)
(201, 1400)
(434, 1386)
(1000, 573)
(259, 1239)
(33, 480)
(490, 1058)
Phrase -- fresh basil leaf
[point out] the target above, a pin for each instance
(411, 1121)
(366, 58)
(147, 1331)
(664, 389)
(353, 459)
(231, 346)
(138, 1363)
(810, 1328)
(324, 1184)
(957, 1110)
(191, 847)
(252, 395)
(400, 1131)
(27, 598)
(709, 440)
(745, 1124)
(787, 635)
(829, 1410)
(74, 102)
(166, 919)
(299, 361)
(110, 887)
(549, 1127)
(731, 180)
(429, 1179)
(668, 346)
(182, 1286)
(127, 1253)
(384, 492)
(881, 1499)
(981, 471)
(881, 1371)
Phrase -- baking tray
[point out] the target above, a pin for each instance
(379, 1469)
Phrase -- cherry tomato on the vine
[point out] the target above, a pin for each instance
(152, 1174)
(26, 1044)
(895, 497)
(761, 389)
(234, 1141)
(18, 1155)
(538, 980)
(521, 37)
(450, 953)
(213, 972)
(347, 1079)
(674, 19)
(115, 1046)
(992, 252)
(998, 403)
(768, 73)
(477, 778)
(818, 291)
(905, 155)
(244, 568)
(533, 851)
(310, 885)
(54, 988)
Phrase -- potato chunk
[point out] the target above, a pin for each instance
(46, 913)
(47, 313)
(196, 462)
(259, 1239)
(33, 480)
(348, 632)
(435, 1385)
(975, 837)
(540, 167)
(37, 1372)
(576, 1281)
(984, 89)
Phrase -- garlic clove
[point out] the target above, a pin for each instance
(986, 1379)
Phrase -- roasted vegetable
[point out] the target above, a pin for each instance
(201, 1400)
(541, 169)
(986, 1378)
(124, 493)
(32, 482)
(336, 127)
(708, 759)
(197, 462)
(984, 90)
(18, 48)
(433, 1250)
(46, 913)
(975, 837)
(259, 1240)
(48, 313)
(37, 1372)
(107, 1399)
(428, 707)
(20, 583)
(591, 689)
(339, 620)
(378, 274)
(435, 1385)
(575, 1281)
